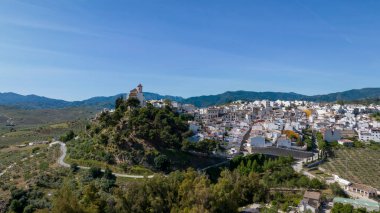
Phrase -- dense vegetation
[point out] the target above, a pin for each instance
(189, 191)
(276, 172)
(133, 135)
(254, 178)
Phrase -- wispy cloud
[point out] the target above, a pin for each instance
(37, 50)
(325, 22)
(46, 25)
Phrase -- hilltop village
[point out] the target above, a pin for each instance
(279, 123)
(301, 129)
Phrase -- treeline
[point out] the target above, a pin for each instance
(178, 192)
(365, 102)
(189, 191)
(275, 171)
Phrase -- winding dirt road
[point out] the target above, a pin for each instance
(61, 162)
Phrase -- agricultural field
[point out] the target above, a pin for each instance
(39, 132)
(36, 125)
(360, 165)
(23, 167)
(23, 118)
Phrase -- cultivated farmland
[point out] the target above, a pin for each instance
(360, 165)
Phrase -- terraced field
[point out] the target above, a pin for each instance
(360, 165)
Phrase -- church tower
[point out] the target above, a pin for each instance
(138, 93)
(139, 88)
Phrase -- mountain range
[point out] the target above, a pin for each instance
(40, 102)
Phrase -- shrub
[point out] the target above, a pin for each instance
(95, 172)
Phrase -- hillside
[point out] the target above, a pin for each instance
(38, 102)
(135, 136)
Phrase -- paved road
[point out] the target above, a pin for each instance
(61, 162)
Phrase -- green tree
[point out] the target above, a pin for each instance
(337, 190)
(133, 102)
(68, 136)
(118, 102)
(74, 167)
(340, 102)
(95, 172)
(65, 200)
(162, 162)
(342, 208)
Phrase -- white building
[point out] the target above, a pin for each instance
(370, 135)
(284, 142)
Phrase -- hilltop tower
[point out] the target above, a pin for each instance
(139, 88)
(138, 94)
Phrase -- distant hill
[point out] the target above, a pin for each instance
(39, 102)
(350, 95)
(203, 101)
(31, 101)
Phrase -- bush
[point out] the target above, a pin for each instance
(342, 208)
(337, 190)
(74, 167)
(68, 136)
(95, 172)
(35, 149)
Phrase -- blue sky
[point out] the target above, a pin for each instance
(76, 49)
